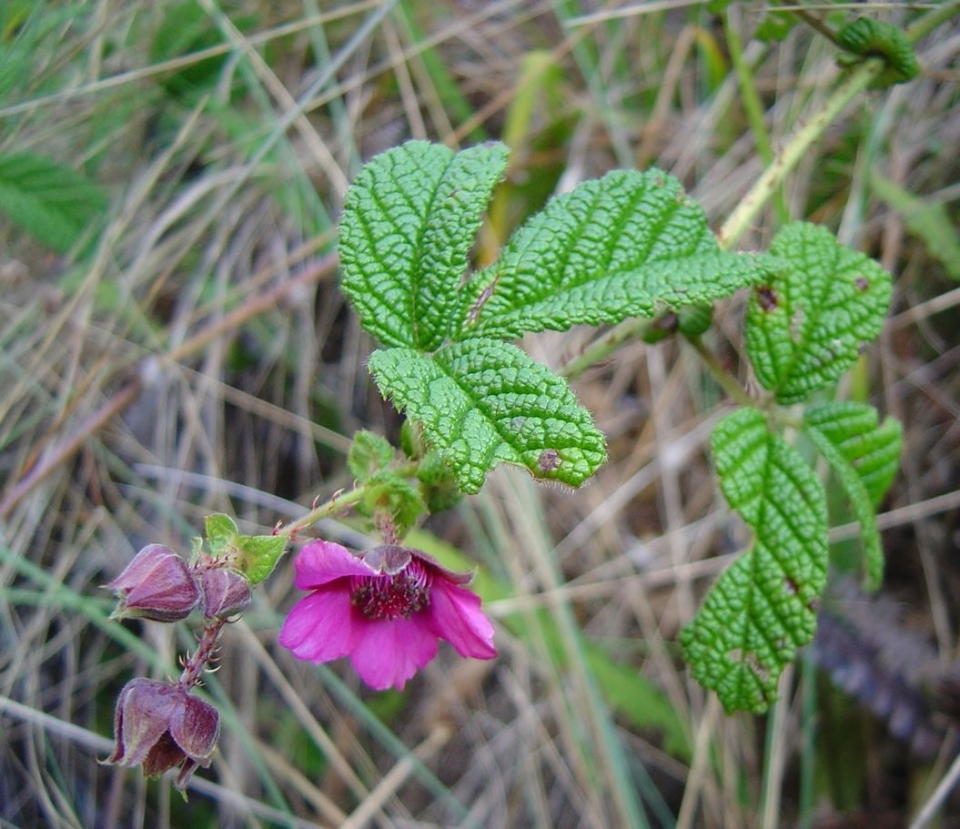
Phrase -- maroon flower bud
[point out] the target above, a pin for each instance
(160, 726)
(156, 585)
(223, 592)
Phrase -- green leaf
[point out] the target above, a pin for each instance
(871, 38)
(847, 433)
(51, 202)
(927, 220)
(408, 224)
(774, 26)
(617, 247)
(484, 402)
(872, 449)
(762, 609)
(806, 325)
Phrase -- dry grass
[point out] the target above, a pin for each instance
(195, 355)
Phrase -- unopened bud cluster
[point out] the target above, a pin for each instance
(158, 585)
(157, 724)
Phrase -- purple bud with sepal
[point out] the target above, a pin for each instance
(160, 726)
(156, 585)
(224, 593)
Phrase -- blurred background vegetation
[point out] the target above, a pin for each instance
(173, 343)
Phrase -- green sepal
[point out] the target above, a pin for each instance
(807, 324)
(411, 441)
(369, 453)
(386, 492)
(763, 607)
(409, 221)
(625, 245)
(484, 402)
(438, 487)
(221, 532)
(870, 38)
(257, 556)
(253, 556)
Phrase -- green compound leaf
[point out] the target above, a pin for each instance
(806, 325)
(51, 202)
(617, 247)
(762, 609)
(408, 224)
(871, 38)
(484, 402)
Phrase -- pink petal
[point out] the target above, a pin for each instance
(321, 626)
(321, 562)
(389, 653)
(454, 614)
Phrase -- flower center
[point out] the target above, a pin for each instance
(390, 597)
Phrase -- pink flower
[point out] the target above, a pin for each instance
(385, 609)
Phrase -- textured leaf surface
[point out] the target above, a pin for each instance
(483, 402)
(613, 248)
(879, 39)
(807, 324)
(871, 448)
(762, 609)
(864, 456)
(408, 224)
(51, 202)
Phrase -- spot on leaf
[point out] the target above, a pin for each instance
(549, 460)
(767, 298)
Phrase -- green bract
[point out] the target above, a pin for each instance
(763, 608)
(626, 245)
(807, 324)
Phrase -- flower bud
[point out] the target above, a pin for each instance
(161, 726)
(224, 592)
(156, 585)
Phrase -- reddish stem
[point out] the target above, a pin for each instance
(195, 665)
